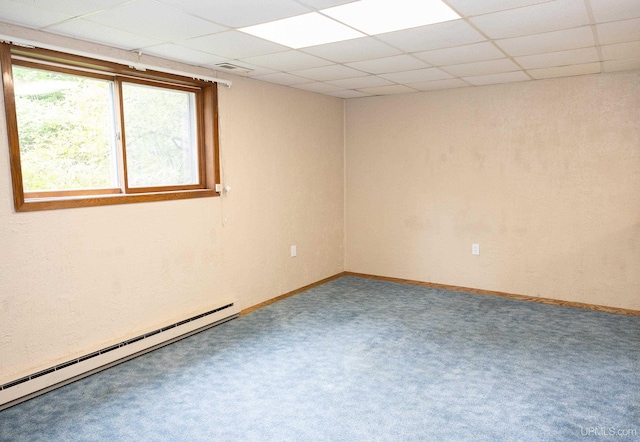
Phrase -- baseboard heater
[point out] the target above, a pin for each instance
(46, 380)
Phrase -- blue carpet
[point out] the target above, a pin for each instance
(364, 360)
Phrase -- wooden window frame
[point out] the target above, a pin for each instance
(207, 135)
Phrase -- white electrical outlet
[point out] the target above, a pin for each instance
(294, 251)
(475, 249)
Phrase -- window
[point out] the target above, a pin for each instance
(85, 132)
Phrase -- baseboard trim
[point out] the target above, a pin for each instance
(457, 288)
(289, 294)
(581, 305)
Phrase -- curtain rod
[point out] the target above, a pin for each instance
(139, 63)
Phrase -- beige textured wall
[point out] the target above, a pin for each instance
(76, 280)
(544, 175)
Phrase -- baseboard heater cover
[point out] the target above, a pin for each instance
(46, 380)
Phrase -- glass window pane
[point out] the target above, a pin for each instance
(160, 135)
(65, 126)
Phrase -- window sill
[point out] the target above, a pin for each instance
(35, 204)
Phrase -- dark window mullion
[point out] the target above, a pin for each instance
(198, 120)
(123, 178)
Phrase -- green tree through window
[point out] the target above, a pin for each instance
(65, 125)
(160, 136)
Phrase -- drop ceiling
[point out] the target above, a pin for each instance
(494, 41)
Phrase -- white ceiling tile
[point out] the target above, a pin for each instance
(574, 38)
(439, 84)
(388, 90)
(476, 7)
(233, 44)
(461, 54)
(622, 65)
(349, 94)
(253, 69)
(287, 61)
(619, 31)
(562, 58)
(321, 88)
(322, 4)
(543, 17)
(441, 35)
(282, 78)
(240, 13)
(417, 75)
(389, 64)
(156, 20)
(353, 50)
(548, 38)
(482, 68)
(27, 15)
(180, 53)
(74, 8)
(508, 77)
(331, 72)
(621, 51)
(361, 82)
(611, 10)
(98, 33)
(565, 71)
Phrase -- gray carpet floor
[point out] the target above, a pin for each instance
(365, 360)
